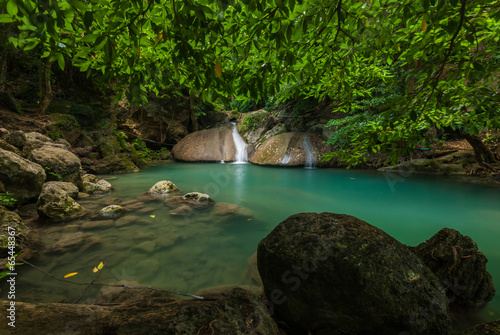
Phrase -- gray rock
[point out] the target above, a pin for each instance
(90, 178)
(195, 200)
(327, 272)
(100, 187)
(9, 147)
(67, 187)
(10, 221)
(209, 145)
(461, 267)
(163, 187)
(21, 177)
(16, 138)
(111, 211)
(56, 205)
(60, 163)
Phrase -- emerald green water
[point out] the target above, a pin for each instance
(190, 253)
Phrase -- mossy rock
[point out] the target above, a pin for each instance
(12, 220)
(112, 164)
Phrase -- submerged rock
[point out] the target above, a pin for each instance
(194, 200)
(111, 211)
(228, 211)
(21, 177)
(55, 204)
(329, 272)
(461, 267)
(73, 240)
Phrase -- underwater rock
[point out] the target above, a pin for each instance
(461, 267)
(228, 211)
(147, 247)
(55, 204)
(111, 211)
(97, 224)
(73, 240)
(252, 272)
(328, 272)
(126, 220)
(195, 200)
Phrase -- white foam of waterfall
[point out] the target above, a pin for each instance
(241, 155)
(309, 152)
(286, 159)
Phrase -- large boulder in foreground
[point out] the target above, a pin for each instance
(56, 205)
(146, 312)
(330, 272)
(461, 267)
(210, 145)
(59, 162)
(291, 149)
(21, 177)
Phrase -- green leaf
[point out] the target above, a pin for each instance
(31, 46)
(60, 61)
(88, 18)
(12, 7)
(78, 5)
(6, 18)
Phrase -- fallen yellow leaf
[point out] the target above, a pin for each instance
(152, 216)
(71, 274)
(95, 269)
(100, 266)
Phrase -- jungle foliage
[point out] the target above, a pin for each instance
(440, 58)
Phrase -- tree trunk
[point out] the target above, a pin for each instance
(482, 152)
(45, 86)
(194, 119)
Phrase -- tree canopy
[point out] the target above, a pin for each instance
(438, 60)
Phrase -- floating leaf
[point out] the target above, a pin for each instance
(95, 269)
(70, 274)
(424, 24)
(352, 178)
(100, 266)
(152, 216)
(218, 69)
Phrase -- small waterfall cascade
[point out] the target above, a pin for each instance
(311, 156)
(241, 155)
(286, 159)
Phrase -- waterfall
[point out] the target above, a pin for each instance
(309, 152)
(241, 155)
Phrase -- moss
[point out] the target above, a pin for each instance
(251, 122)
